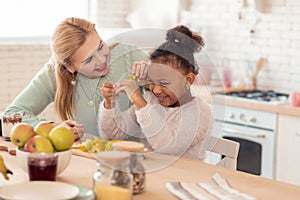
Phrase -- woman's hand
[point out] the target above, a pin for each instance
(75, 127)
(109, 94)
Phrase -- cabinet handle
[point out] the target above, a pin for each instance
(298, 133)
(245, 134)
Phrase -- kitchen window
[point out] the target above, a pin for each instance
(36, 18)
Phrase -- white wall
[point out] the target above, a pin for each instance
(18, 64)
(276, 37)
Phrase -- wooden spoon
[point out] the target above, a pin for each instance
(259, 66)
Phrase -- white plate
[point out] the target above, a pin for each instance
(37, 190)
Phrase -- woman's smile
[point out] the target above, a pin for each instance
(101, 68)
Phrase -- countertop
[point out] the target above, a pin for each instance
(208, 94)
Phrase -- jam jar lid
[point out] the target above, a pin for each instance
(130, 146)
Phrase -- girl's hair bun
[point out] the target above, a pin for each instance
(183, 36)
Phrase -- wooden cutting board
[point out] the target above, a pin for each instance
(7, 146)
(78, 152)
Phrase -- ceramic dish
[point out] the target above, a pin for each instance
(85, 194)
(37, 190)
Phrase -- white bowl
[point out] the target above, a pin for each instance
(64, 158)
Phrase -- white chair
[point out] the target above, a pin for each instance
(227, 148)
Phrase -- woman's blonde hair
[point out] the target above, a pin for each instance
(66, 39)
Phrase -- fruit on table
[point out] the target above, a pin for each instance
(44, 137)
(3, 168)
(98, 147)
(132, 76)
(95, 142)
(43, 128)
(62, 138)
(95, 145)
(39, 144)
(21, 133)
(79, 146)
(109, 145)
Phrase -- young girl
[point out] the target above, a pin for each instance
(167, 115)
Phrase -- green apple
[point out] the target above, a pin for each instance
(62, 138)
(43, 128)
(21, 133)
(109, 145)
(98, 147)
(88, 144)
(38, 144)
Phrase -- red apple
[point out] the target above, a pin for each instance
(38, 144)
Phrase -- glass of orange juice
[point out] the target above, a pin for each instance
(113, 179)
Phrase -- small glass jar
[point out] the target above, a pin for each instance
(7, 122)
(112, 179)
(137, 168)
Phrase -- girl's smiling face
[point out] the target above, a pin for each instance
(169, 85)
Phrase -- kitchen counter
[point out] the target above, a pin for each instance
(207, 92)
(286, 109)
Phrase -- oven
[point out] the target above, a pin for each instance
(255, 130)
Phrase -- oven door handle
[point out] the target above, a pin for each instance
(232, 131)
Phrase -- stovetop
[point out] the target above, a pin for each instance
(264, 96)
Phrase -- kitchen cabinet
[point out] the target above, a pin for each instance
(288, 149)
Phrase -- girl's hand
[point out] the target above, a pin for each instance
(109, 94)
(76, 127)
(131, 88)
(140, 69)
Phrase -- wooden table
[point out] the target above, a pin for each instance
(80, 171)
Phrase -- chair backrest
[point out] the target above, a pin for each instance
(227, 148)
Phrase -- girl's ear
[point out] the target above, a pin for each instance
(190, 78)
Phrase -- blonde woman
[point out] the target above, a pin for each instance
(81, 62)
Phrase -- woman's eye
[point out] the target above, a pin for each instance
(150, 81)
(100, 47)
(88, 60)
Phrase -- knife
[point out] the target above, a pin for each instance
(7, 146)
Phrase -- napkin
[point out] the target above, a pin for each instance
(218, 188)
